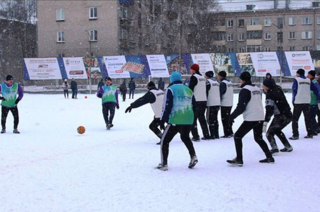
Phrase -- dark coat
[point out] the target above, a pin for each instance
(74, 85)
(132, 85)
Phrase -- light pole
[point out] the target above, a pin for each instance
(282, 67)
(90, 61)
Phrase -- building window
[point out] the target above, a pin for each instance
(292, 35)
(280, 37)
(124, 12)
(218, 36)
(292, 21)
(230, 50)
(230, 23)
(60, 37)
(267, 36)
(280, 23)
(230, 37)
(318, 34)
(241, 23)
(253, 48)
(306, 35)
(305, 48)
(254, 21)
(93, 13)
(219, 22)
(318, 20)
(241, 37)
(254, 35)
(60, 15)
(242, 49)
(267, 22)
(124, 34)
(279, 48)
(306, 20)
(268, 49)
(93, 35)
(318, 47)
(292, 48)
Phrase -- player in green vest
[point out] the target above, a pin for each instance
(109, 95)
(11, 94)
(178, 112)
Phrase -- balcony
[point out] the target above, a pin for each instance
(219, 28)
(254, 42)
(219, 42)
(254, 27)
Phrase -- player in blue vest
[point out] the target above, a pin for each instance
(179, 106)
(12, 94)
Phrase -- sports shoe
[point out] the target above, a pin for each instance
(294, 138)
(193, 162)
(16, 131)
(159, 143)
(3, 131)
(287, 149)
(195, 139)
(274, 151)
(308, 137)
(236, 162)
(267, 160)
(162, 167)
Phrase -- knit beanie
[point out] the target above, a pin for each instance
(209, 74)
(245, 76)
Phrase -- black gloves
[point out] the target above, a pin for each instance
(17, 101)
(162, 127)
(118, 107)
(2, 98)
(129, 109)
(99, 95)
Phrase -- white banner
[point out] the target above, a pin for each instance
(158, 66)
(265, 62)
(204, 61)
(297, 60)
(75, 67)
(43, 68)
(114, 66)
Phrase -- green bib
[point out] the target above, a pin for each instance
(109, 94)
(182, 111)
(10, 94)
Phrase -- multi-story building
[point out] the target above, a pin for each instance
(76, 28)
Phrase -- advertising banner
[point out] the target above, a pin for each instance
(114, 66)
(204, 61)
(297, 60)
(222, 62)
(74, 67)
(173, 64)
(158, 65)
(92, 62)
(265, 62)
(42, 68)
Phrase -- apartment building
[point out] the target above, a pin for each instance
(77, 27)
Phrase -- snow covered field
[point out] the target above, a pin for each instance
(49, 167)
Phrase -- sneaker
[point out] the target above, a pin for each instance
(236, 162)
(159, 143)
(294, 138)
(16, 131)
(193, 162)
(3, 131)
(162, 167)
(308, 137)
(195, 139)
(267, 160)
(287, 149)
(274, 151)
(227, 136)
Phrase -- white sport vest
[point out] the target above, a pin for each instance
(213, 94)
(227, 97)
(303, 94)
(200, 93)
(254, 110)
(157, 105)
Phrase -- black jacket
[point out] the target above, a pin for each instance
(276, 103)
(223, 88)
(74, 85)
(132, 85)
(147, 98)
(244, 99)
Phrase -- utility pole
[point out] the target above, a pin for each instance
(282, 66)
(90, 64)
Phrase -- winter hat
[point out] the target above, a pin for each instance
(108, 78)
(195, 67)
(245, 76)
(301, 72)
(222, 74)
(9, 77)
(151, 84)
(268, 74)
(312, 73)
(268, 83)
(175, 76)
(209, 74)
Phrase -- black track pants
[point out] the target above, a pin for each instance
(4, 114)
(278, 123)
